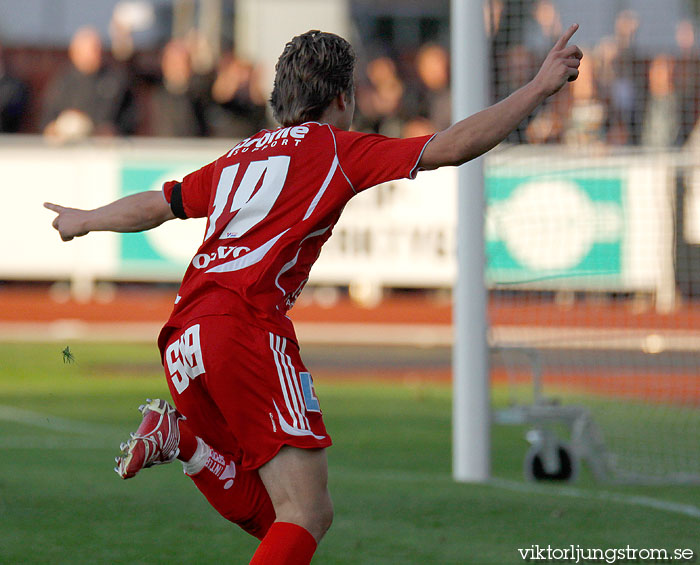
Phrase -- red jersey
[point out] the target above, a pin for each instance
(271, 203)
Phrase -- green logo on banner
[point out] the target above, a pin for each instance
(163, 252)
(558, 227)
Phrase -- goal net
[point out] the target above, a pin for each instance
(593, 241)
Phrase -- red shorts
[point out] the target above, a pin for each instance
(243, 390)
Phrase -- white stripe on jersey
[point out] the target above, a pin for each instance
(294, 260)
(297, 385)
(292, 431)
(324, 186)
(290, 388)
(248, 259)
(283, 386)
(289, 377)
(335, 146)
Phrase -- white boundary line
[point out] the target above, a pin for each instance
(601, 495)
(639, 501)
(70, 329)
(54, 423)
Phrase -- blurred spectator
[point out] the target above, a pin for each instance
(519, 69)
(379, 99)
(89, 97)
(547, 125)
(493, 11)
(661, 116)
(14, 96)
(203, 56)
(687, 79)
(493, 16)
(122, 41)
(617, 131)
(626, 26)
(129, 17)
(239, 109)
(585, 125)
(626, 90)
(416, 127)
(179, 103)
(204, 59)
(141, 67)
(433, 69)
(546, 29)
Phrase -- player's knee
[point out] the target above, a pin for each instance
(325, 515)
(316, 518)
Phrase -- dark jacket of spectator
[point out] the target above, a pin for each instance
(101, 96)
(239, 104)
(14, 96)
(179, 104)
(94, 95)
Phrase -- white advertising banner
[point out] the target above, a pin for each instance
(401, 233)
(552, 222)
(691, 220)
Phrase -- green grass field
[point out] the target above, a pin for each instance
(60, 501)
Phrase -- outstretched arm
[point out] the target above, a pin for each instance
(476, 134)
(136, 212)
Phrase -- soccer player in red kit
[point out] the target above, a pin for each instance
(247, 423)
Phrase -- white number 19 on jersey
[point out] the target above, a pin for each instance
(249, 208)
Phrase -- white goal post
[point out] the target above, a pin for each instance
(471, 418)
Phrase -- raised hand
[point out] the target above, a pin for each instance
(561, 64)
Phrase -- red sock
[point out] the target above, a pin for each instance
(188, 441)
(238, 495)
(285, 544)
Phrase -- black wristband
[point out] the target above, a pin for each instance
(176, 202)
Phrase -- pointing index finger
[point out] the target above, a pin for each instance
(53, 207)
(564, 39)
